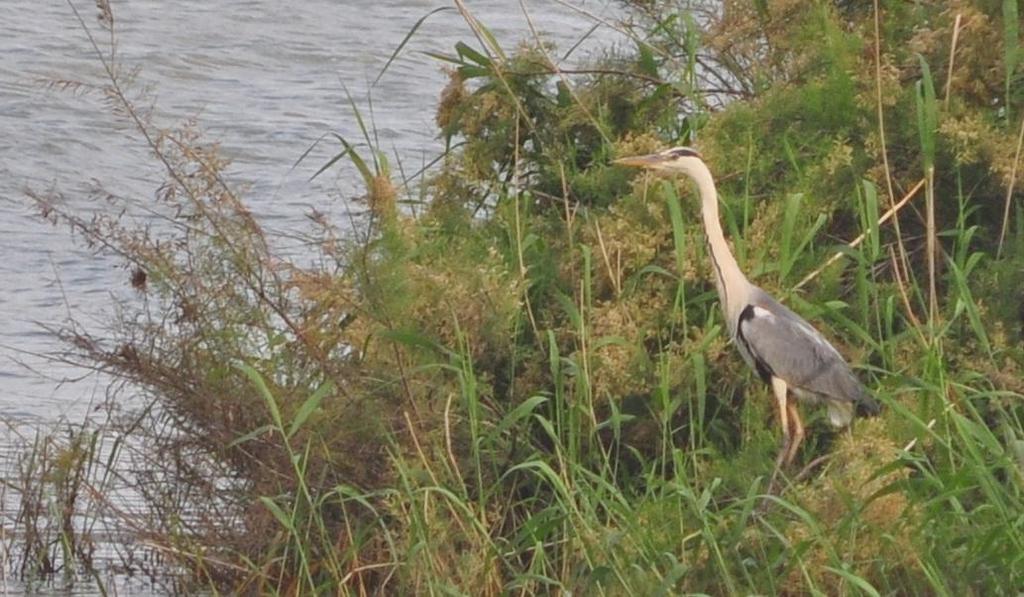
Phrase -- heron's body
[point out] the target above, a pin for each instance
(785, 351)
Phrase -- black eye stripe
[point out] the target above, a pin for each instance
(683, 152)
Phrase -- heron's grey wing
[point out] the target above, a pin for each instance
(784, 345)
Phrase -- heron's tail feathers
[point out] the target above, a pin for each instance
(840, 413)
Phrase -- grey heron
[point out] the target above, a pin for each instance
(786, 352)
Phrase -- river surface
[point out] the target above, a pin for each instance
(265, 78)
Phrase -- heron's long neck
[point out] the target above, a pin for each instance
(728, 276)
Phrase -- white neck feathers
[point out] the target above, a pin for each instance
(733, 286)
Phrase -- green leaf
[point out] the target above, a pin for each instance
(657, 269)
(257, 381)
(610, 341)
(248, 437)
(523, 411)
(870, 224)
(547, 426)
(553, 357)
(278, 513)
(466, 52)
(473, 72)
(359, 115)
(811, 233)
(491, 41)
(570, 308)
(786, 251)
(966, 302)
(356, 160)
(855, 580)
(927, 114)
(648, 65)
(329, 163)
(675, 213)
(443, 57)
(564, 96)
(309, 406)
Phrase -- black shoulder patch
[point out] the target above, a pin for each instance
(747, 314)
(764, 371)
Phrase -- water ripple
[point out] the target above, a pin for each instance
(265, 78)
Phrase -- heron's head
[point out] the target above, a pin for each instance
(678, 160)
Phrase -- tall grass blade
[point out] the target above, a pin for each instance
(928, 124)
(466, 51)
(360, 121)
(927, 114)
(261, 387)
(355, 158)
(255, 433)
(334, 159)
(869, 221)
(855, 580)
(281, 516)
(406, 39)
(309, 406)
(965, 300)
(519, 413)
(678, 229)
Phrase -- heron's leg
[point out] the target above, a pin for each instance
(780, 391)
(798, 431)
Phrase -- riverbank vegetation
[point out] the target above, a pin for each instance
(513, 377)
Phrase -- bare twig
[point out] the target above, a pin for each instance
(811, 466)
(900, 285)
(913, 442)
(612, 274)
(1009, 190)
(952, 55)
(931, 245)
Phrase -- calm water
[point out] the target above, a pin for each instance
(266, 78)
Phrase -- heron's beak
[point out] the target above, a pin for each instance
(647, 162)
